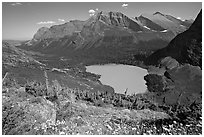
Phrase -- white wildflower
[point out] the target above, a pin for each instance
(171, 126)
(62, 133)
(109, 127)
(134, 128)
(36, 128)
(166, 129)
(199, 125)
(44, 126)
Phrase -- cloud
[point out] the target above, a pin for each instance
(62, 20)
(124, 5)
(91, 12)
(45, 22)
(16, 4)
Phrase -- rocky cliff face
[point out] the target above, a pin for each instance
(115, 19)
(185, 48)
(59, 31)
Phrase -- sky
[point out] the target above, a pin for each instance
(21, 20)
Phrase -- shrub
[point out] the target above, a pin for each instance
(36, 88)
(155, 83)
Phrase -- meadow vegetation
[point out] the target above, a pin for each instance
(34, 109)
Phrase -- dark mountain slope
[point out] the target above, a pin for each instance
(185, 48)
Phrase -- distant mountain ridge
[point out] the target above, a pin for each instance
(140, 23)
(185, 47)
(164, 22)
(111, 34)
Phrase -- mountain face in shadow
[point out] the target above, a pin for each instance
(185, 47)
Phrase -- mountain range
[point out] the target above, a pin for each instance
(110, 35)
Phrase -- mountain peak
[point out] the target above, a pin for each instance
(158, 13)
(114, 18)
(108, 13)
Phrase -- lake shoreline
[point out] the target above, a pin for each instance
(122, 77)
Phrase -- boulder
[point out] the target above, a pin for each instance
(169, 63)
(180, 85)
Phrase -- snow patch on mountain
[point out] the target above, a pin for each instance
(147, 27)
(164, 31)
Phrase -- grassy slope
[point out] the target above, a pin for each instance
(28, 113)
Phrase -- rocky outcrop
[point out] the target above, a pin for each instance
(179, 84)
(169, 63)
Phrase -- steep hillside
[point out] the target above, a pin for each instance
(20, 66)
(185, 48)
(162, 22)
(12, 57)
